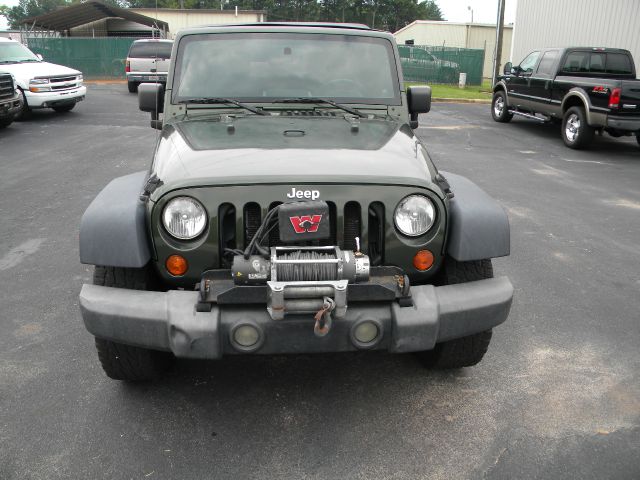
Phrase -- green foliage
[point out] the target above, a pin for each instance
(382, 14)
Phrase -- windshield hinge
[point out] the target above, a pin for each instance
(152, 184)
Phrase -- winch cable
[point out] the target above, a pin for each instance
(296, 272)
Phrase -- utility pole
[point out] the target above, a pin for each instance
(497, 54)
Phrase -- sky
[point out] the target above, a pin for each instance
(3, 21)
(484, 11)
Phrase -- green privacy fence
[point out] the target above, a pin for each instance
(437, 64)
(104, 57)
(97, 58)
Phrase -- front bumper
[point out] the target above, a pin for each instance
(169, 320)
(10, 106)
(52, 99)
(631, 124)
(147, 77)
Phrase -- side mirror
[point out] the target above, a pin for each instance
(151, 99)
(508, 67)
(419, 101)
(40, 57)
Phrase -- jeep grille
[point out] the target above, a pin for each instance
(234, 232)
(6, 86)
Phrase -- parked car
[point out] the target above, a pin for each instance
(419, 63)
(147, 61)
(41, 84)
(10, 99)
(289, 208)
(588, 89)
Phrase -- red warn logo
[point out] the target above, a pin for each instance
(306, 223)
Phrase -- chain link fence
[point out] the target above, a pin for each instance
(437, 64)
(96, 58)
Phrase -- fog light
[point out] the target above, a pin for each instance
(423, 260)
(246, 336)
(366, 334)
(176, 265)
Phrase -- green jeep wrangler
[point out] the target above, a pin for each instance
(289, 208)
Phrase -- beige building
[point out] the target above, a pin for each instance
(461, 35)
(555, 23)
(179, 19)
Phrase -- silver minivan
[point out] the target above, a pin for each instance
(147, 61)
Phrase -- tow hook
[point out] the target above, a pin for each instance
(323, 318)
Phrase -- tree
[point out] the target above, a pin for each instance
(32, 8)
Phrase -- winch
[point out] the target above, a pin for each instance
(301, 279)
(301, 264)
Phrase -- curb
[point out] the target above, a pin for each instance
(435, 100)
(461, 100)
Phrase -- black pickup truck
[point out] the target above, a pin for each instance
(589, 89)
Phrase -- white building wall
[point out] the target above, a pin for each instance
(179, 19)
(566, 23)
(460, 35)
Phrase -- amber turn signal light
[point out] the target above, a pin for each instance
(176, 265)
(423, 260)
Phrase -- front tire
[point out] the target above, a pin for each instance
(638, 138)
(25, 112)
(576, 133)
(5, 122)
(499, 108)
(126, 362)
(466, 351)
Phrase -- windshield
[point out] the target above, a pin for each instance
(12, 52)
(151, 50)
(265, 67)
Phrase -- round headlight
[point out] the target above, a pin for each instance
(414, 215)
(184, 218)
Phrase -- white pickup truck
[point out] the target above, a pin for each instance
(42, 84)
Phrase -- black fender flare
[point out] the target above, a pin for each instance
(113, 228)
(478, 225)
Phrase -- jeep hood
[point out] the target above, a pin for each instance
(289, 149)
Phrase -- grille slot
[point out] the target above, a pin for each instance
(226, 232)
(376, 233)
(6, 86)
(352, 225)
(252, 221)
(274, 235)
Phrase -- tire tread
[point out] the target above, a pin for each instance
(466, 351)
(127, 362)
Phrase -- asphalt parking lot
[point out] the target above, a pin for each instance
(557, 396)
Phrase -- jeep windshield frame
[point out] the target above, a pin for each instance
(268, 67)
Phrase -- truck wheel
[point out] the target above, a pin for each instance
(132, 86)
(126, 362)
(25, 112)
(576, 133)
(5, 122)
(64, 108)
(465, 351)
(499, 108)
(638, 138)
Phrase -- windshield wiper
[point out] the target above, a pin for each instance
(212, 100)
(28, 60)
(350, 110)
(5, 62)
